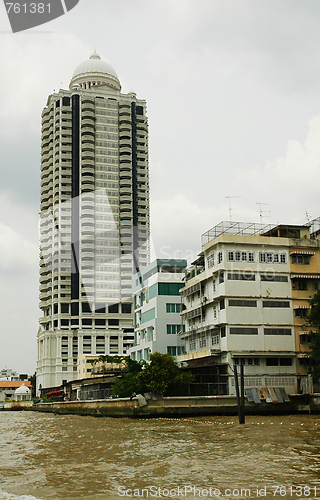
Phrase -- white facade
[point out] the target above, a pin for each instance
(238, 309)
(95, 227)
(157, 301)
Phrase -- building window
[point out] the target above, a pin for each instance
(86, 344)
(241, 330)
(277, 331)
(272, 258)
(220, 257)
(223, 331)
(253, 361)
(64, 347)
(305, 339)
(111, 322)
(215, 339)
(172, 308)
(222, 304)
(126, 308)
(100, 344)
(301, 313)
(241, 276)
(316, 285)
(274, 277)
(64, 308)
(203, 341)
(299, 284)
(239, 361)
(279, 361)
(242, 303)
(214, 312)
(300, 259)
(210, 261)
(192, 345)
(221, 277)
(114, 344)
(173, 329)
(240, 256)
(230, 256)
(275, 303)
(247, 361)
(172, 350)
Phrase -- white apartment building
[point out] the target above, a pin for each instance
(157, 301)
(95, 229)
(237, 309)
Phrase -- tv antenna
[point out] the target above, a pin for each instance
(230, 208)
(262, 212)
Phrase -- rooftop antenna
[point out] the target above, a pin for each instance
(263, 211)
(230, 209)
(307, 216)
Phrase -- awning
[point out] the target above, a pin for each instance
(306, 332)
(303, 355)
(301, 252)
(306, 276)
(301, 307)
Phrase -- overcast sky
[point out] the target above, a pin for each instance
(233, 95)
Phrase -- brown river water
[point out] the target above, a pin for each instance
(45, 456)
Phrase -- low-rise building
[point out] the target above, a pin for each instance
(156, 300)
(8, 388)
(23, 393)
(239, 303)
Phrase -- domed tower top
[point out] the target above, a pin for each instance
(93, 72)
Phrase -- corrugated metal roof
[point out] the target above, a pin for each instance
(268, 394)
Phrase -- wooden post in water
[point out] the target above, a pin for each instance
(239, 401)
(242, 392)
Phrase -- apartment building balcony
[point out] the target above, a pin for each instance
(124, 150)
(87, 106)
(124, 111)
(126, 175)
(125, 119)
(86, 124)
(87, 138)
(125, 134)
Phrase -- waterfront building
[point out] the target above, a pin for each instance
(95, 227)
(23, 393)
(8, 388)
(156, 302)
(240, 304)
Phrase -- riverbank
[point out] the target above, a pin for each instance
(172, 407)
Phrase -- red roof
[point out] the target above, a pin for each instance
(14, 383)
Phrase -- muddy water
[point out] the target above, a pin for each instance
(70, 457)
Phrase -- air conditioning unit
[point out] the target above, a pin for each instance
(182, 364)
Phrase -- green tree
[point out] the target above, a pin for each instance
(313, 320)
(131, 381)
(161, 375)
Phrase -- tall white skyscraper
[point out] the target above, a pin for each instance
(95, 225)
